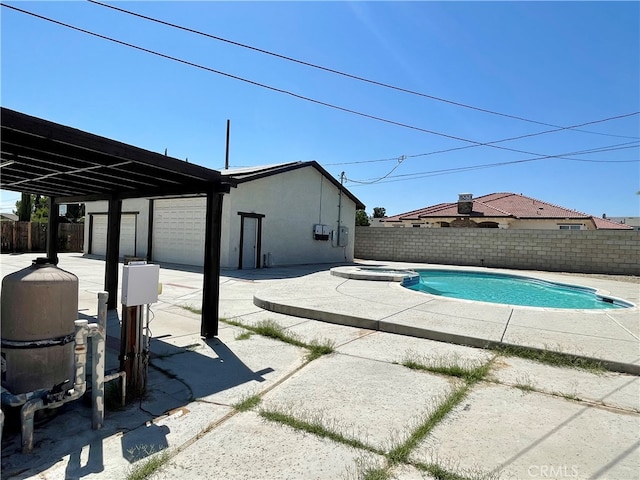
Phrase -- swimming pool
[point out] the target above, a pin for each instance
(509, 289)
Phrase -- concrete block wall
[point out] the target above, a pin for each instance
(583, 251)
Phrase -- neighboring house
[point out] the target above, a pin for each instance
(285, 214)
(501, 210)
(633, 222)
(8, 217)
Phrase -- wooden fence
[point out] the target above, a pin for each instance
(32, 237)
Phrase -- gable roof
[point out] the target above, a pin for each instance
(248, 174)
(506, 205)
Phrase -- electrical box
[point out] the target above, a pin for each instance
(321, 232)
(344, 237)
(140, 284)
(340, 237)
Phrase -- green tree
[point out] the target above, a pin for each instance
(40, 209)
(32, 208)
(24, 207)
(379, 212)
(362, 219)
(75, 212)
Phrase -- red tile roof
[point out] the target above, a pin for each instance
(505, 205)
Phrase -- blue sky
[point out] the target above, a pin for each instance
(561, 64)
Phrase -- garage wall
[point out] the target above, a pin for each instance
(292, 202)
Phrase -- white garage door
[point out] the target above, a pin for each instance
(178, 230)
(127, 234)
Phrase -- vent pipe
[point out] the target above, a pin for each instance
(465, 203)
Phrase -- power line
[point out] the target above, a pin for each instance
(279, 90)
(490, 144)
(344, 74)
(563, 156)
(453, 149)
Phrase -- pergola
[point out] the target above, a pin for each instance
(72, 166)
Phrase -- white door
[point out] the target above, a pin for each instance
(127, 234)
(249, 242)
(178, 230)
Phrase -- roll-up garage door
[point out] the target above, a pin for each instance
(178, 230)
(127, 234)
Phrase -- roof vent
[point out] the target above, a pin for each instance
(465, 203)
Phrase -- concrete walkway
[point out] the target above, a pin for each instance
(461, 410)
(611, 336)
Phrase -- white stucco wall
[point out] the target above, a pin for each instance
(139, 206)
(292, 203)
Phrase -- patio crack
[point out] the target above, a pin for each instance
(506, 326)
(404, 310)
(623, 327)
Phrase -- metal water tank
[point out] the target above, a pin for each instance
(39, 306)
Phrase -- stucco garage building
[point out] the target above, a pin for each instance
(285, 214)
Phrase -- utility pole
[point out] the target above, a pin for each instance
(226, 158)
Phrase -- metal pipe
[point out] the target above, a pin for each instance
(27, 413)
(16, 400)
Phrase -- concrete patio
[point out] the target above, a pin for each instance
(520, 419)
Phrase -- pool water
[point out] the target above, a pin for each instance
(509, 289)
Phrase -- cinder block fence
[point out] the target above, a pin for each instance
(584, 251)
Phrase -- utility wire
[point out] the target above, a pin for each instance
(564, 156)
(412, 176)
(338, 72)
(279, 90)
(486, 143)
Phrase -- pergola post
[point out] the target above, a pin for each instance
(52, 231)
(113, 252)
(211, 282)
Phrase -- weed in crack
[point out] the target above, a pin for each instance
(368, 466)
(244, 335)
(550, 357)
(271, 329)
(450, 365)
(400, 453)
(144, 469)
(315, 423)
(319, 348)
(247, 403)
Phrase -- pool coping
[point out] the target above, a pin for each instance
(383, 305)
